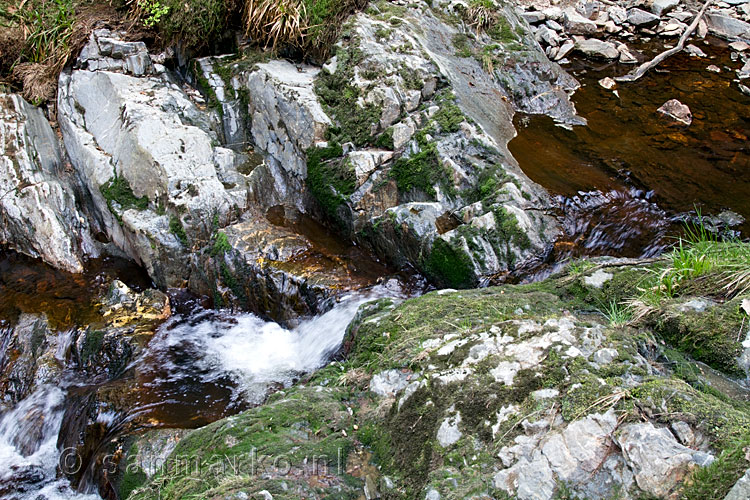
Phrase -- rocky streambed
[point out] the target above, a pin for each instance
(230, 215)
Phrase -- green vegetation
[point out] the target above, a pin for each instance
(448, 265)
(153, 11)
(330, 179)
(617, 314)
(118, 192)
(449, 116)
(221, 244)
(176, 228)
(421, 172)
(340, 99)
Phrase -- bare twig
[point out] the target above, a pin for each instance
(643, 68)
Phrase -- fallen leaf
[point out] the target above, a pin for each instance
(746, 306)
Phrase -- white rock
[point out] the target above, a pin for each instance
(448, 432)
(576, 24)
(677, 111)
(661, 7)
(593, 47)
(389, 382)
(605, 356)
(741, 489)
(598, 278)
(658, 460)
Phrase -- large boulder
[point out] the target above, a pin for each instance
(400, 119)
(38, 208)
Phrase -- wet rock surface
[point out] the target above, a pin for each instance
(519, 401)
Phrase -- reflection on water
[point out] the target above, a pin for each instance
(30, 286)
(622, 178)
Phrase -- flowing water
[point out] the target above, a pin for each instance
(626, 182)
(624, 185)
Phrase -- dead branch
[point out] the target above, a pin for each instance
(643, 68)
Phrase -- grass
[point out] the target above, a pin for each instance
(221, 244)
(617, 313)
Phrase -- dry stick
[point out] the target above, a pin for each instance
(643, 68)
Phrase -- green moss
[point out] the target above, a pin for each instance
(501, 31)
(176, 228)
(132, 479)
(340, 99)
(449, 116)
(449, 266)
(118, 191)
(710, 336)
(461, 44)
(221, 244)
(385, 140)
(330, 179)
(421, 172)
(194, 23)
(412, 78)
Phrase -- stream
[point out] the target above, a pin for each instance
(624, 185)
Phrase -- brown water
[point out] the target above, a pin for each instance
(623, 181)
(30, 286)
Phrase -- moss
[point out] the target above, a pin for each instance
(449, 116)
(385, 140)
(331, 180)
(421, 172)
(221, 244)
(92, 344)
(710, 336)
(194, 23)
(501, 31)
(133, 478)
(340, 99)
(449, 266)
(176, 228)
(305, 429)
(461, 44)
(412, 78)
(118, 191)
(508, 231)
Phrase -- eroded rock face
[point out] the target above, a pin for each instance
(38, 208)
(410, 137)
(149, 159)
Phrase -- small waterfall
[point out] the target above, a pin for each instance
(255, 355)
(29, 456)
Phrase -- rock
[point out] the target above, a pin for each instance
(533, 17)
(287, 119)
(677, 111)
(739, 46)
(432, 494)
(641, 18)
(588, 8)
(548, 36)
(695, 51)
(599, 277)
(726, 26)
(674, 28)
(592, 47)
(741, 489)
(682, 16)
(608, 83)
(565, 49)
(37, 204)
(605, 356)
(149, 137)
(744, 72)
(617, 14)
(658, 460)
(661, 7)
(626, 56)
(576, 24)
(448, 432)
(232, 116)
(388, 383)
(713, 68)
(106, 51)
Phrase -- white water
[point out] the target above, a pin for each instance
(207, 347)
(256, 354)
(28, 448)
